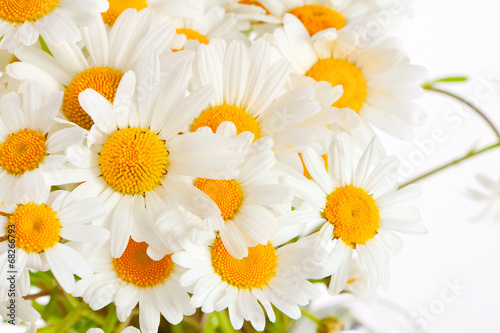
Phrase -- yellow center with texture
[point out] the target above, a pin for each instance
(227, 194)
(20, 11)
(37, 227)
(22, 151)
(353, 213)
(134, 160)
(253, 271)
(316, 18)
(341, 72)
(101, 79)
(136, 267)
(116, 7)
(213, 117)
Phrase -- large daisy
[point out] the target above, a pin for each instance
(250, 285)
(21, 21)
(250, 91)
(244, 218)
(136, 152)
(136, 278)
(107, 55)
(29, 148)
(359, 206)
(378, 81)
(41, 224)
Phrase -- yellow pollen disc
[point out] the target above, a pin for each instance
(306, 172)
(22, 151)
(213, 117)
(193, 35)
(20, 11)
(101, 79)
(134, 160)
(116, 7)
(342, 72)
(254, 271)
(353, 213)
(317, 18)
(227, 194)
(136, 267)
(254, 3)
(36, 227)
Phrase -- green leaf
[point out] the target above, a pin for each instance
(452, 79)
(44, 45)
(72, 317)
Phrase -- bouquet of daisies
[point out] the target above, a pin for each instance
(198, 165)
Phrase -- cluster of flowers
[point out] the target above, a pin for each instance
(201, 154)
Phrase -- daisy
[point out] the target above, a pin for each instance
(250, 91)
(29, 149)
(378, 81)
(21, 22)
(359, 207)
(41, 224)
(244, 218)
(245, 286)
(136, 153)
(107, 55)
(490, 196)
(136, 278)
(179, 8)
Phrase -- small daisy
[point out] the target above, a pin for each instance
(269, 275)
(28, 147)
(136, 153)
(21, 22)
(136, 278)
(490, 196)
(107, 55)
(178, 8)
(250, 91)
(359, 206)
(41, 224)
(378, 81)
(244, 219)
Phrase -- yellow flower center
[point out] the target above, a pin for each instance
(227, 194)
(254, 271)
(317, 18)
(36, 227)
(213, 117)
(342, 72)
(22, 151)
(254, 3)
(116, 7)
(134, 160)
(101, 79)
(136, 267)
(193, 35)
(353, 213)
(20, 11)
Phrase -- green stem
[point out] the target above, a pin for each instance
(469, 155)
(479, 112)
(224, 322)
(310, 316)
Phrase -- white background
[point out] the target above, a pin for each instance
(450, 37)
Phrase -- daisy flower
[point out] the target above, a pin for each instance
(179, 8)
(21, 22)
(28, 147)
(250, 92)
(359, 207)
(136, 278)
(246, 286)
(41, 224)
(107, 54)
(490, 196)
(243, 219)
(378, 81)
(136, 153)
